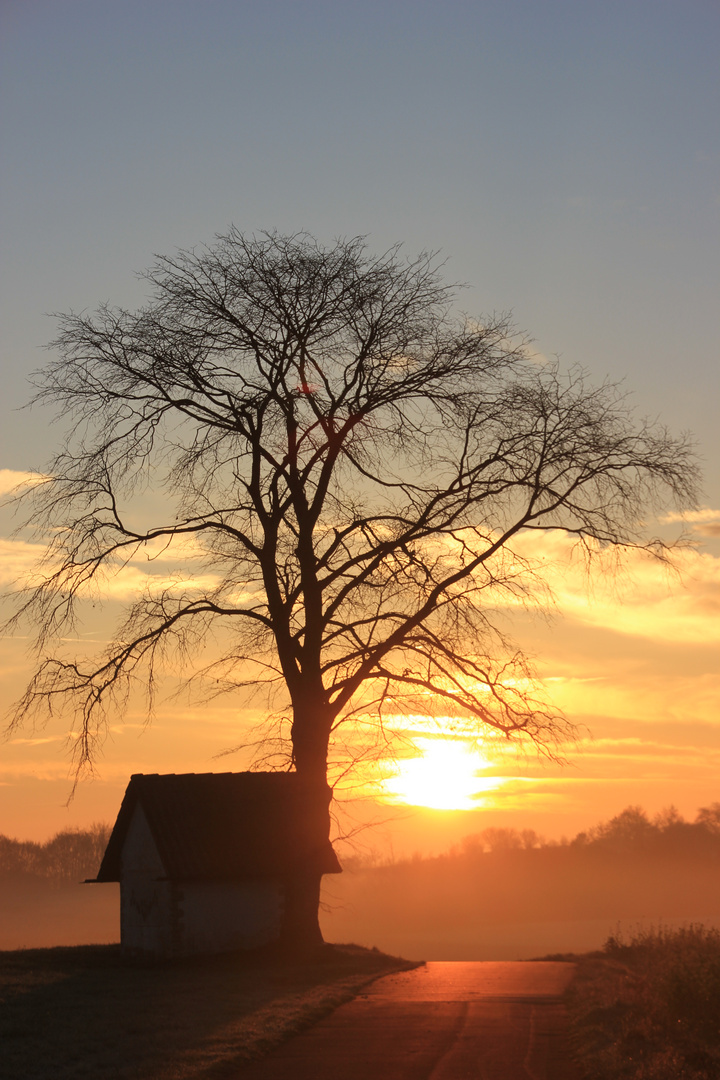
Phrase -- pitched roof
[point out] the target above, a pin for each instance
(225, 826)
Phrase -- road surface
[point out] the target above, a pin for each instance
(444, 1021)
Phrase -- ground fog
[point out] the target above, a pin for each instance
(505, 894)
(502, 894)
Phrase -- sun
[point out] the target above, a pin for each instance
(444, 777)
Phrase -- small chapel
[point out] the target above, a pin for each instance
(214, 862)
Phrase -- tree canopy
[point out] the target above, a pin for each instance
(353, 460)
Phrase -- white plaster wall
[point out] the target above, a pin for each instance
(165, 918)
(140, 854)
(219, 916)
(146, 903)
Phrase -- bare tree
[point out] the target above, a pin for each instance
(354, 462)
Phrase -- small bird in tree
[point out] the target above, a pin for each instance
(354, 461)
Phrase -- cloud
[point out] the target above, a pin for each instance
(37, 741)
(172, 549)
(694, 516)
(617, 754)
(704, 522)
(538, 358)
(638, 693)
(11, 479)
(19, 561)
(638, 596)
(131, 582)
(21, 564)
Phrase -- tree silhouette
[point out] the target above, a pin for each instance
(353, 462)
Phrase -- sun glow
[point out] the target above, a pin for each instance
(444, 777)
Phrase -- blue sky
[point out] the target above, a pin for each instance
(562, 155)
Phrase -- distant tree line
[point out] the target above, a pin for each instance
(667, 833)
(72, 855)
(630, 832)
(632, 867)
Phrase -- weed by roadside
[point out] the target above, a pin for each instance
(648, 1006)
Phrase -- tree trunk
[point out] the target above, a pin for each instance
(310, 735)
(300, 926)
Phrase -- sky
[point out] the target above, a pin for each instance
(563, 159)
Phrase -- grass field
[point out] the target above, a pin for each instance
(648, 1006)
(645, 1008)
(86, 1011)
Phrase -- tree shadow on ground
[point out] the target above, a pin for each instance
(88, 1011)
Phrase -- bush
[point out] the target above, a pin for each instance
(648, 1007)
(682, 968)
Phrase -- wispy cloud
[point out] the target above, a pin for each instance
(701, 516)
(13, 479)
(640, 597)
(36, 741)
(639, 693)
(19, 561)
(704, 522)
(21, 564)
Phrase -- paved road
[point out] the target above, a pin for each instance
(444, 1021)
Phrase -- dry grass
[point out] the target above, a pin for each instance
(88, 1012)
(648, 1007)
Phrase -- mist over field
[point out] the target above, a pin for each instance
(502, 894)
(496, 899)
(44, 900)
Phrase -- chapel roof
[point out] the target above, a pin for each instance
(225, 826)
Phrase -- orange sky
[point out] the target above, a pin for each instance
(632, 660)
